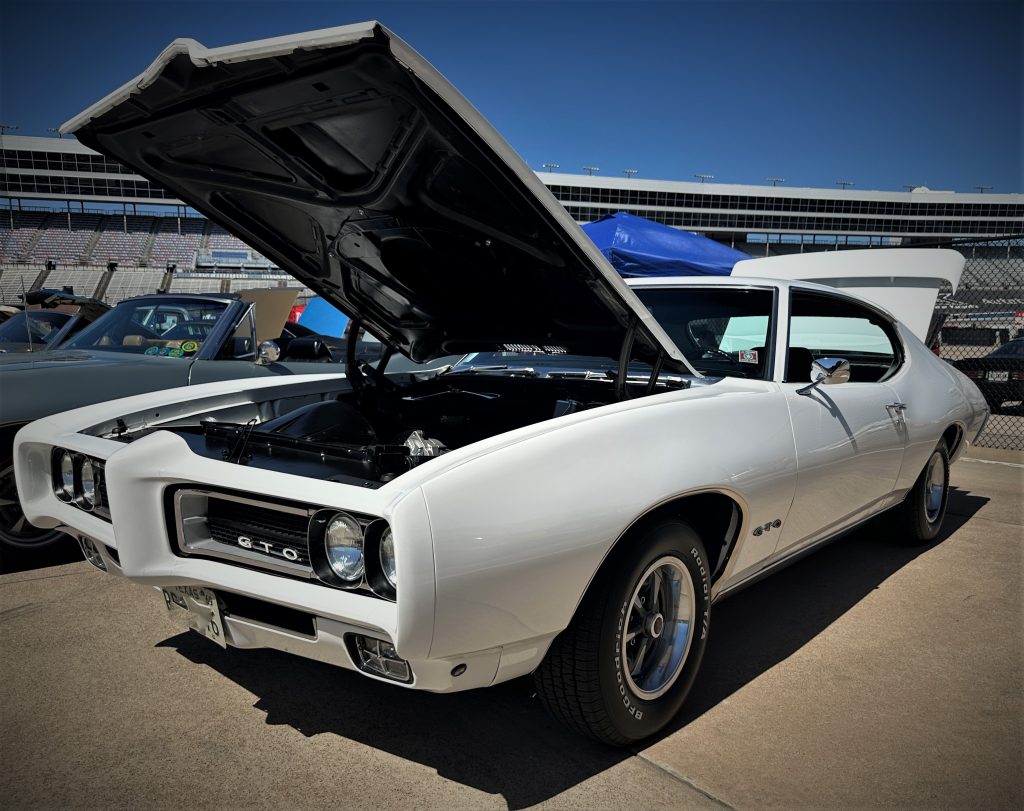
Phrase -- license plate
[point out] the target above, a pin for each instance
(202, 613)
(998, 377)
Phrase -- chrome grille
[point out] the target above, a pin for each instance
(264, 529)
(243, 531)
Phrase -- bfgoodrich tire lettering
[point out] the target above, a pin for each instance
(597, 676)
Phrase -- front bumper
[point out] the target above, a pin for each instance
(140, 549)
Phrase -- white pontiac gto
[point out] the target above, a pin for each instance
(570, 498)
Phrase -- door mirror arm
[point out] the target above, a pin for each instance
(827, 372)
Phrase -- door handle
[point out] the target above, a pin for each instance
(896, 411)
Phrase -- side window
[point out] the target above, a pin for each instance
(821, 326)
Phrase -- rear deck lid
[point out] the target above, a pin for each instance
(351, 162)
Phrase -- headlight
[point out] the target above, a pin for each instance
(66, 483)
(87, 478)
(343, 542)
(387, 557)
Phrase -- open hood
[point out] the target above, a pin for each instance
(350, 161)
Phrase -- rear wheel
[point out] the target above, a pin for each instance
(622, 669)
(919, 518)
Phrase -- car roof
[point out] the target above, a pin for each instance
(726, 281)
(222, 297)
(752, 281)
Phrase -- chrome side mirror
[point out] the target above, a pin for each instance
(830, 371)
(270, 352)
(827, 372)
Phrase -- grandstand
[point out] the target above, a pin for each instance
(15, 280)
(127, 283)
(65, 244)
(123, 240)
(190, 284)
(75, 218)
(177, 240)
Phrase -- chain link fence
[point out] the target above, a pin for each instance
(980, 330)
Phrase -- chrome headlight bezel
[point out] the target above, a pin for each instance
(387, 557)
(64, 475)
(87, 484)
(343, 533)
(77, 479)
(371, 577)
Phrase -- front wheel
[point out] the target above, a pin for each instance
(16, 533)
(622, 669)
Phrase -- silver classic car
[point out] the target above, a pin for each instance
(570, 498)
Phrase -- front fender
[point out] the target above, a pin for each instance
(519, 533)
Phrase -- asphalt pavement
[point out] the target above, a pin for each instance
(868, 675)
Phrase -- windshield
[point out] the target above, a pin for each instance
(40, 325)
(168, 326)
(722, 331)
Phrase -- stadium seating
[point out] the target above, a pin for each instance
(253, 284)
(122, 240)
(178, 248)
(991, 272)
(82, 282)
(58, 241)
(185, 284)
(14, 281)
(221, 240)
(18, 231)
(127, 283)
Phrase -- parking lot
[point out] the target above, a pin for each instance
(867, 675)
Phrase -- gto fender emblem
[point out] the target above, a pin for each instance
(263, 546)
(768, 527)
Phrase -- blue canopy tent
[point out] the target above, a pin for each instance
(639, 247)
(321, 317)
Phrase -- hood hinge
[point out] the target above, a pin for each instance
(621, 389)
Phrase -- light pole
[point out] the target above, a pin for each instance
(702, 178)
(845, 184)
(775, 181)
(591, 169)
(981, 188)
(550, 166)
(630, 172)
(56, 130)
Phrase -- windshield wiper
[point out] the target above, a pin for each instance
(525, 371)
(582, 375)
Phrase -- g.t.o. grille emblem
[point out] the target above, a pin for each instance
(286, 552)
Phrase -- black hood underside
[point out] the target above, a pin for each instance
(349, 171)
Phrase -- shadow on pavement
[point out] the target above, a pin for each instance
(500, 741)
(25, 561)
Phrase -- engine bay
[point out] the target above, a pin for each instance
(375, 433)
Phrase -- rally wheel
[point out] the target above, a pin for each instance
(919, 518)
(622, 669)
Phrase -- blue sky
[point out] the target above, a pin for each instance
(879, 93)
